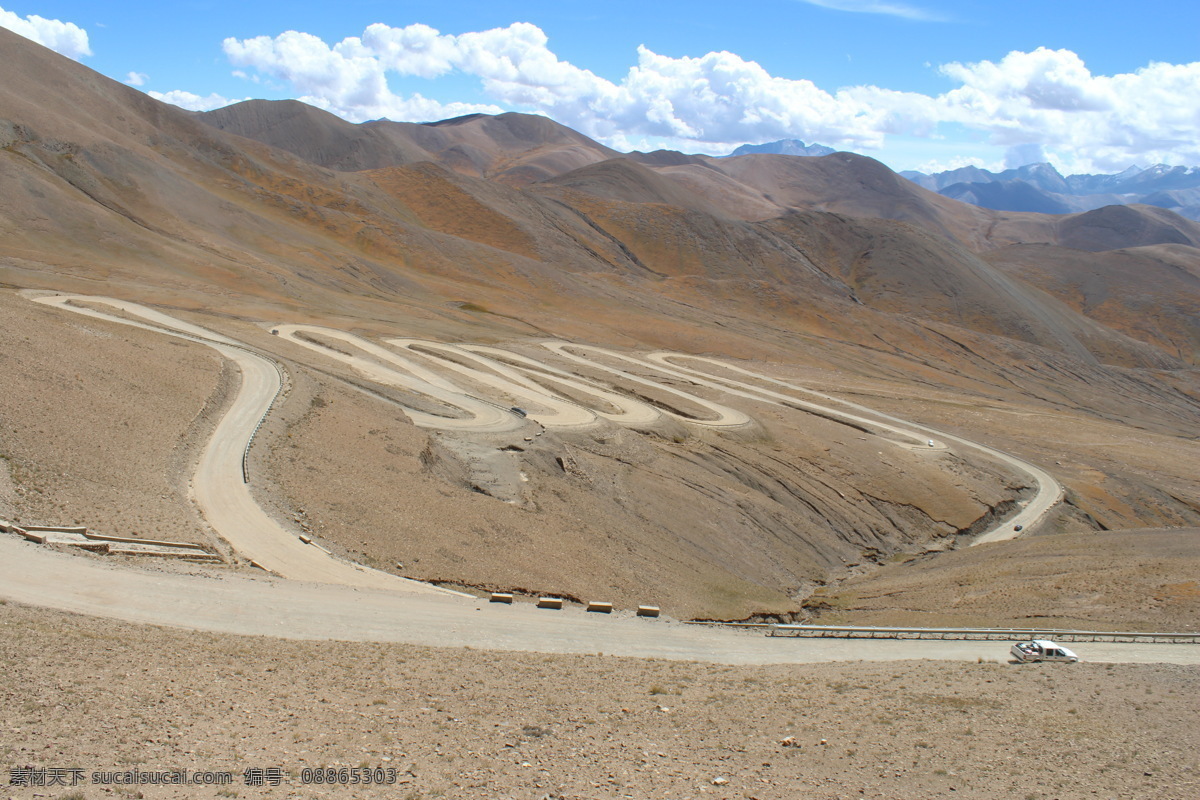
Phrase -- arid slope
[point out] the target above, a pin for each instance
(514, 229)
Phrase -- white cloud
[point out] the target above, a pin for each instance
(1021, 154)
(62, 37)
(349, 79)
(137, 78)
(1049, 98)
(690, 102)
(877, 7)
(713, 102)
(937, 165)
(193, 102)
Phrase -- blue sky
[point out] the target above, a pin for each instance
(1090, 86)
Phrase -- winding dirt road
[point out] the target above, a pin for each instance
(324, 597)
(1048, 491)
(218, 486)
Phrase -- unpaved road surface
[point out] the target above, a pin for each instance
(291, 609)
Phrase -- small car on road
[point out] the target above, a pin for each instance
(1042, 650)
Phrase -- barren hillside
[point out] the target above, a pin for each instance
(832, 273)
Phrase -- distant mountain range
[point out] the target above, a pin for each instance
(1041, 188)
(784, 147)
(278, 202)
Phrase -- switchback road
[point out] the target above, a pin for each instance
(325, 598)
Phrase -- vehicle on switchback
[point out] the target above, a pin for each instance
(1042, 650)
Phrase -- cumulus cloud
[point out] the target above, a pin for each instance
(137, 78)
(62, 37)
(1049, 99)
(713, 102)
(350, 78)
(718, 97)
(193, 102)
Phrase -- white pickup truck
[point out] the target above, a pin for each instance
(1042, 650)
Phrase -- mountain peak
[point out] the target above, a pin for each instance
(785, 147)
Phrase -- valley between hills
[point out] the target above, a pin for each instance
(493, 355)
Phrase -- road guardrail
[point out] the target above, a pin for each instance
(861, 632)
(265, 414)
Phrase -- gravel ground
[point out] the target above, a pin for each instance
(97, 695)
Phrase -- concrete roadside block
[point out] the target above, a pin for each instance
(5, 526)
(36, 538)
(600, 608)
(501, 597)
(647, 611)
(75, 540)
(190, 555)
(151, 542)
(81, 530)
(549, 602)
